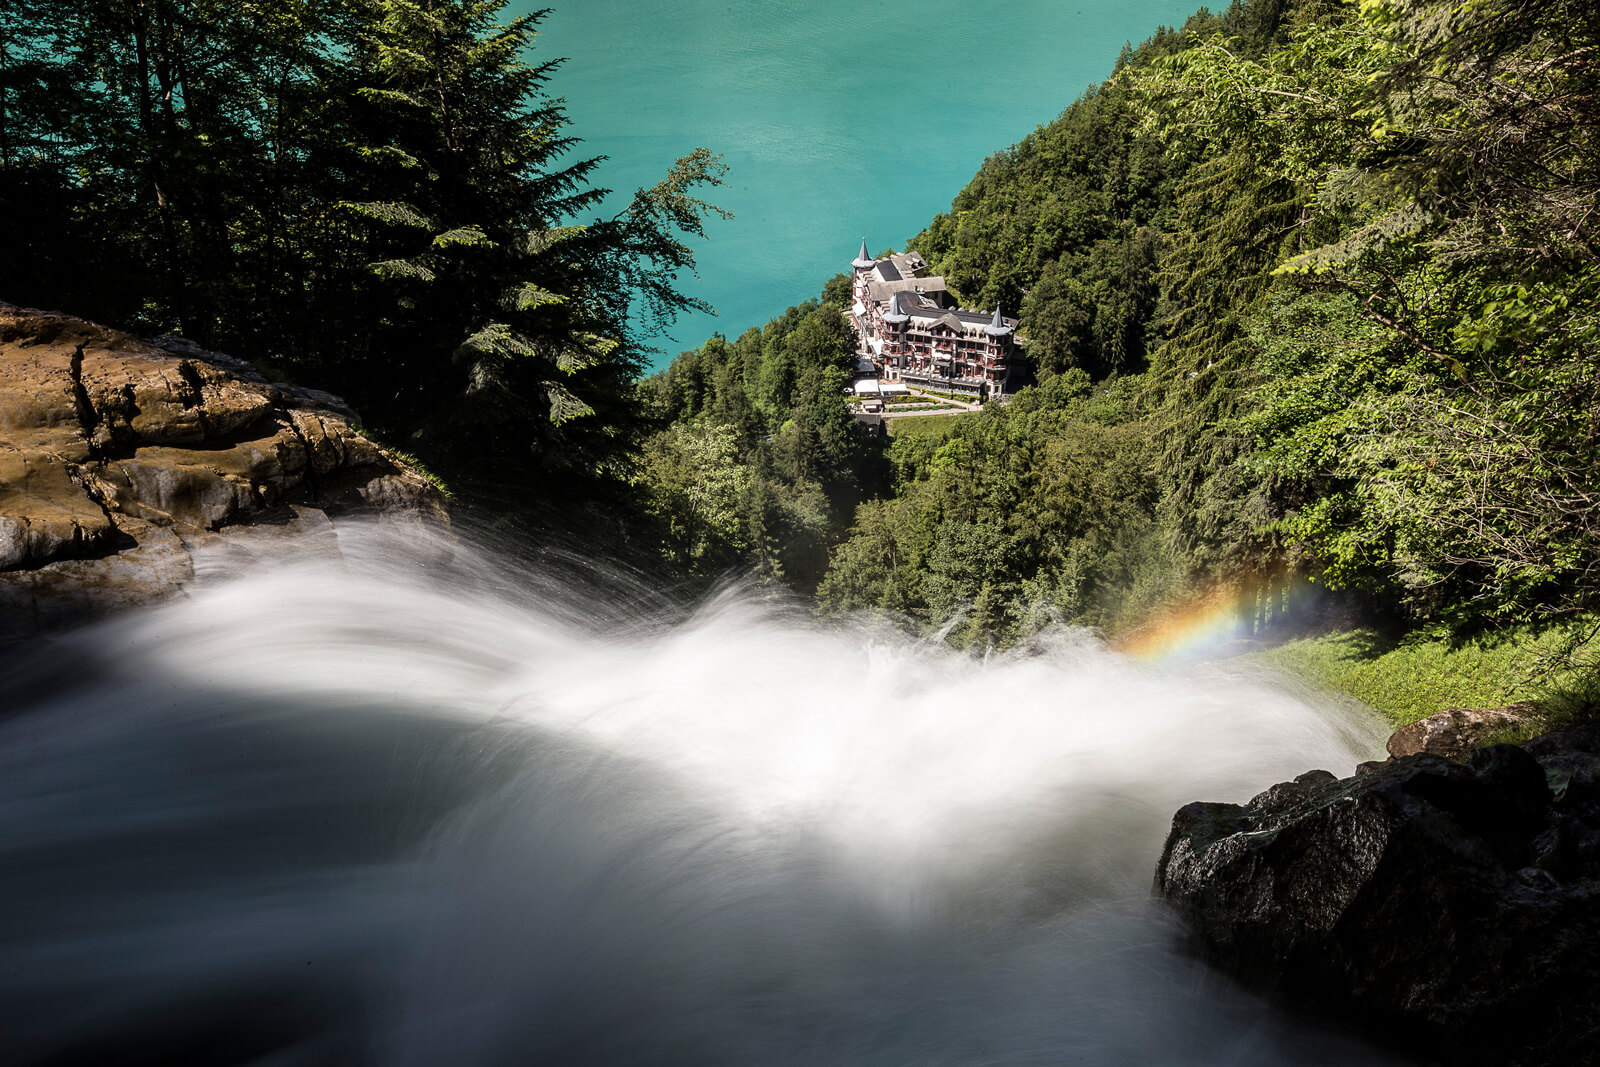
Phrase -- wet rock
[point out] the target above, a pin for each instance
(1452, 908)
(151, 564)
(1454, 732)
(1311, 778)
(106, 441)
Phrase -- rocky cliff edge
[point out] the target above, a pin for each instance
(120, 459)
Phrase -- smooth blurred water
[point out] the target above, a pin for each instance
(838, 118)
(407, 805)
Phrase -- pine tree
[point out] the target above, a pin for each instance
(505, 326)
(371, 196)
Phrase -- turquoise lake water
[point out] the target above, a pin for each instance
(836, 119)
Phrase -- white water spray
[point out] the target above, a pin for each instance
(399, 808)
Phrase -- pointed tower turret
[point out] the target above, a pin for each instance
(896, 314)
(997, 326)
(863, 261)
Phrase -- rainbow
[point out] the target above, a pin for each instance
(1204, 626)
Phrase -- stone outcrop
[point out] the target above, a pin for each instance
(1454, 908)
(119, 458)
(1454, 732)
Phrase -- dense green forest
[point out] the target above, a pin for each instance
(1310, 290)
(760, 462)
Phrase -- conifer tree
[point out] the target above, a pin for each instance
(375, 196)
(505, 324)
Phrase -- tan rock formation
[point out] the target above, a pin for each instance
(118, 457)
(1454, 732)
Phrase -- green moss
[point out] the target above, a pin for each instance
(1411, 678)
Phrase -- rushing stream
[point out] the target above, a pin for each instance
(408, 808)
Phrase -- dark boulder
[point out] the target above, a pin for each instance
(1454, 908)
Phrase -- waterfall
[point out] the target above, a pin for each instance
(407, 805)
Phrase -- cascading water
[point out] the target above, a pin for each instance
(399, 808)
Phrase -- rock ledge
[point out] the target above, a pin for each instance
(119, 458)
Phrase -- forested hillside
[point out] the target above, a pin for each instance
(1311, 289)
(760, 464)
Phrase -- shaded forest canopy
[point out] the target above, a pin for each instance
(1311, 288)
(378, 197)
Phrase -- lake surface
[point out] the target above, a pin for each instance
(837, 119)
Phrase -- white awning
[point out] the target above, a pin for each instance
(868, 387)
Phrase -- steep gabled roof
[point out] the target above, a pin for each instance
(886, 291)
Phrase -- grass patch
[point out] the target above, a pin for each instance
(432, 479)
(936, 425)
(377, 438)
(1411, 678)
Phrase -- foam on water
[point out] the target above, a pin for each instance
(408, 807)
